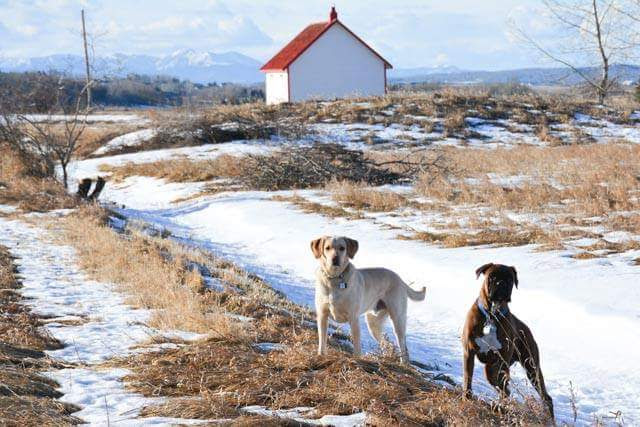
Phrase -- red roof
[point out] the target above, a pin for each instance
(302, 41)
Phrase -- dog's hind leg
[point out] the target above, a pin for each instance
(399, 319)
(375, 321)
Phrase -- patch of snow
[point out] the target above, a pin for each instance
(7, 209)
(267, 347)
(127, 140)
(93, 118)
(605, 131)
(90, 167)
(298, 414)
(134, 191)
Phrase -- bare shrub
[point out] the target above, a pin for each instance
(454, 123)
(21, 184)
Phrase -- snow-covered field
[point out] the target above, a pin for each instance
(584, 313)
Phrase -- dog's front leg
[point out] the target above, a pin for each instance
(469, 361)
(354, 323)
(323, 324)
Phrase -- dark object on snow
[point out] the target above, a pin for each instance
(85, 186)
(100, 183)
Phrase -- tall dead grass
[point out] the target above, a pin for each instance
(181, 170)
(32, 193)
(154, 276)
(589, 180)
(363, 197)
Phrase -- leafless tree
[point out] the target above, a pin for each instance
(45, 140)
(588, 33)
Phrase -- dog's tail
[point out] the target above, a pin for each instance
(416, 295)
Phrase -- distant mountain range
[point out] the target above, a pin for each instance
(624, 73)
(208, 67)
(186, 64)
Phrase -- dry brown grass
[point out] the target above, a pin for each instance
(181, 170)
(319, 208)
(95, 135)
(214, 374)
(454, 123)
(564, 186)
(30, 193)
(590, 180)
(448, 104)
(288, 168)
(18, 326)
(361, 196)
(153, 276)
(215, 378)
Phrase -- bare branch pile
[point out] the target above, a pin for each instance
(315, 166)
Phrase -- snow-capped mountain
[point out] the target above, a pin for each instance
(186, 64)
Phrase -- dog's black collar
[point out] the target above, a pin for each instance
(503, 311)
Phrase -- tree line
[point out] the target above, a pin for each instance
(130, 91)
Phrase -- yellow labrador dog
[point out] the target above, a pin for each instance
(345, 292)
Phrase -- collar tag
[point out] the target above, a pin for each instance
(489, 328)
(342, 285)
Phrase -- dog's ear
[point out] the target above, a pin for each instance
(482, 269)
(316, 247)
(352, 247)
(515, 276)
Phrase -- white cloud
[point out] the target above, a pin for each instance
(466, 33)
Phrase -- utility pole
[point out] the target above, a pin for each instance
(86, 61)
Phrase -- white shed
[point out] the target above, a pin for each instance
(325, 61)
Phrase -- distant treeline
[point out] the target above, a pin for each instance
(34, 91)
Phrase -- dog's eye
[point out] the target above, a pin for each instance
(341, 248)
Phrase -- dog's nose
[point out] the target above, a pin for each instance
(336, 261)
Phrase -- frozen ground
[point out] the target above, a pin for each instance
(483, 133)
(89, 168)
(127, 140)
(92, 118)
(584, 313)
(55, 288)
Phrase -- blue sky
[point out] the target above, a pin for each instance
(471, 34)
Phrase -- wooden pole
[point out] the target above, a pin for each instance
(86, 61)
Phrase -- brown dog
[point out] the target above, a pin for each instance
(497, 337)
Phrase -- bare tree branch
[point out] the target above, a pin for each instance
(589, 32)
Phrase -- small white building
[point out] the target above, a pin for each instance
(325, 61)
